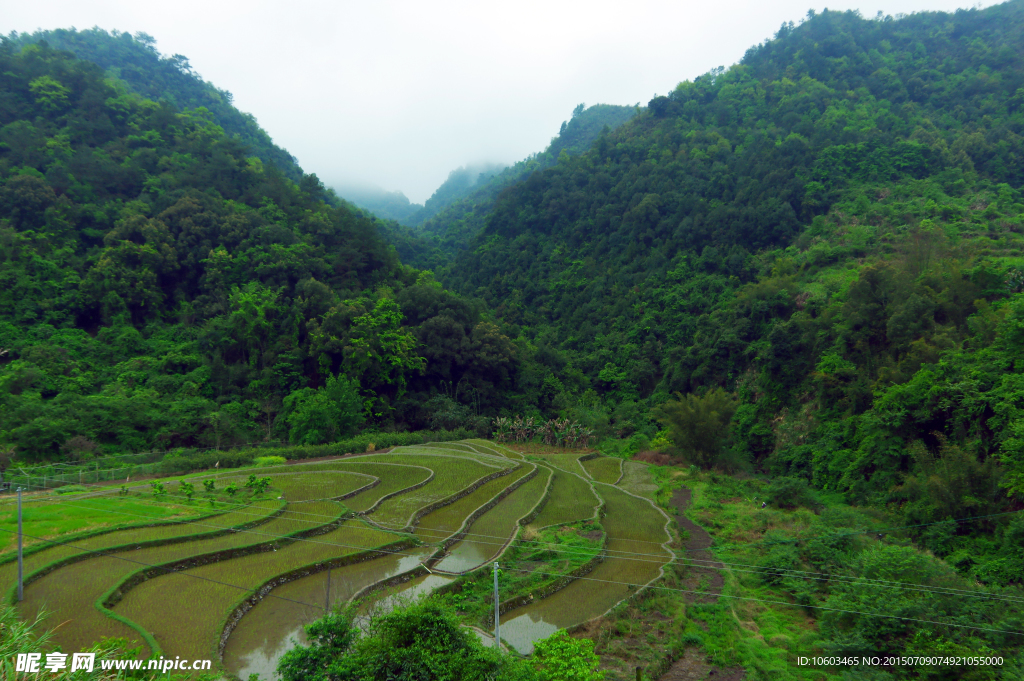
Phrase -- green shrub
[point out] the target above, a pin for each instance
(790, 493)
(561, 657)
(71, 489)
(698, 425)
(269, 460)
(424, 640)
(323, 415)
(776, 565)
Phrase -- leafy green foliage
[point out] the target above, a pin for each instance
(786, 492)
(424, 640)
(323, 415)
(137, 64)
(563, 658)
(698, 425)
(163, 287)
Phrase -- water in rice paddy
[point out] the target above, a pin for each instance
(273, 627)
(492, 531)
(634, 526)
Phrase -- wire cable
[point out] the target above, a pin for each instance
(763, 600)
(637, 557)
(664, 560)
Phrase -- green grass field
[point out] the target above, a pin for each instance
(451, 475)
(638, 479)
(604, 469)
(74, 546)
(636, 534)
(571, 499)
(50, 515)
(69, 594)
(438, 525)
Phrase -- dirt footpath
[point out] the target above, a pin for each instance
(705, 577)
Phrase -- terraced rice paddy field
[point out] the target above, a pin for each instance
(233, 575)
(603, 469)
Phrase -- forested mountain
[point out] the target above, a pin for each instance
(456, 221)
(830, 229)
(135, 61)
(460, 183)
(384, 204)
(396, 206)
(161, 286)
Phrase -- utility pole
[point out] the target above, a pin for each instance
(20, 563)
(497, 635)
(327, 604)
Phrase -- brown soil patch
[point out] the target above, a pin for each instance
(657, 458)
(704, 568)
(704, 576)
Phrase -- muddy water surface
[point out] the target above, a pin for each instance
(492, 531)
(273, 627)
(404, 594)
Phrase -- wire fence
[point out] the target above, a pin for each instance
(125, 467)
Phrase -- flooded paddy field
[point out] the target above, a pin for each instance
(275, 624)
(635, 556)
(492, 531)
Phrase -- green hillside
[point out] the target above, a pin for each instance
(831, 230)
(451, 228)
(135, 61)
(163, 287)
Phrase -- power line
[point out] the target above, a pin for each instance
(590, 579)
(690, 591)
(626, 555)
(763, 600)
(640, 557)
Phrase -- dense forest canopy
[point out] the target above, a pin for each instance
(448, 226)
(134, 61)
(163, 287)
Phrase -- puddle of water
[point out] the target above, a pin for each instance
(275, 625)
(633, 526)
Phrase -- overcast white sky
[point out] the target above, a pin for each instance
(398, 93)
